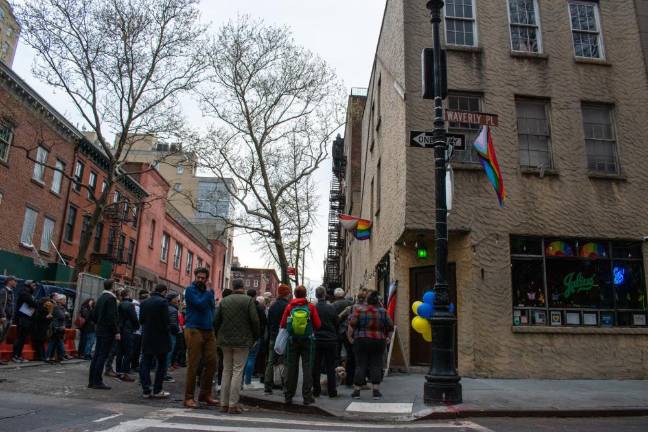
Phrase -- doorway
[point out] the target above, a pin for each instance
(421, 280)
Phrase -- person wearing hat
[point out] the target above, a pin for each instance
(274, 318)
(174, 329)
(26, 307)
(59, 315)
(7, 307)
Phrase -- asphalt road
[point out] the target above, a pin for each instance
(54, 398)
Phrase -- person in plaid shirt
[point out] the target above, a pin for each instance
(369, 328)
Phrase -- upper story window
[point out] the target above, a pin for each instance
(92, 184)
(6, 135)
(177, 256)
(600, 138)
(586, 29)
(525, 26)
(96, 247)
(78, 175)
(180, 169)
(189, 266)
(29, 225)
(470, 103)
(534, 137)
(152, 236)
(39, 166)
(68, 234)
(460, 22)
(164, 251)
(57, 178)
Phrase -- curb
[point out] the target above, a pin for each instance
(281, 406)
(581, 413)
(31, 364)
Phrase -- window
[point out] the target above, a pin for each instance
(256, 283)
(378, 181)
(57, 178)
(6, 136)
(152, 236)
(460, 22)
(39, 166)
(471, 103)
(371, 205)
(585, 25)
(85, 222)
(177, 187)
(533, 133)
(524, 21)
(577, 282)
(188, 268)
(97, 238)
(600, 138)
(104, 185)
(121, 247)
(29, 225)
(164, 252)
(111, 242)
(68, 235)
(177, 256)
(200, 262)
(92, 184)
(131, 251)
(116, 197)
(46, 236)
(247, 282)
(180, 169)
(78, 175)
(135, 216)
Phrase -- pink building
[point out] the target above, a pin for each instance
(262, 280)
(169, 247)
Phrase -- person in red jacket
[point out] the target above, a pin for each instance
(301, 320)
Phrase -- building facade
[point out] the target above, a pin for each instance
(9, 33)
(262, 280)
(552, 284)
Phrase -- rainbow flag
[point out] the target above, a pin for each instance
(486, 151)
(361, 227)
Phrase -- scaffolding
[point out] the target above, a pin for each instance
(332, 272)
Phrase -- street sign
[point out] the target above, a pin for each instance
(471, 117)
(425, 139)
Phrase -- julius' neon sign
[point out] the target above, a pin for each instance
(576, 282)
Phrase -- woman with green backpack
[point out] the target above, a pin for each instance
(300, 319)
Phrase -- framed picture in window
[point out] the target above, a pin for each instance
(516, 317)
(524, 318)
(572, 318)
(556, 318)
(639, 319)
(590, 318)
(607, 319)
(539, 317)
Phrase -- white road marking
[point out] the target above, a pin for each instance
(383, 408)
(103, 419)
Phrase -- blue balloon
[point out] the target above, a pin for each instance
(429, 297)
(424, 310)
(451, 308)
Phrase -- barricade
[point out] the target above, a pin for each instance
(6, 348)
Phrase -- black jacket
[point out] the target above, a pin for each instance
(106, 315)
(341, 304)
(174, 323)
(274, 316)
(86, 312)
(328, 330)
(154, 317)
(24, 297)
(263, 320)
(127, 316)
(58, 319)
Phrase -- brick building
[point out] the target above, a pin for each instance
(559, 271)
(262, 280)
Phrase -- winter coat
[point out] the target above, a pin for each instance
(199, 313)
(24, 297)
(174, 322)
(263, 320)
(128, 322)
(237, 322)
(328, 332)
(86, 313)
(154, 317)
(341, 304)
(274, 316)
(42, 318)
(58, 319)
(106, 315)
(7, 303)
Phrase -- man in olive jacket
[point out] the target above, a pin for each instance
(237, 327)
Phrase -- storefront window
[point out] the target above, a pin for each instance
(584, 282)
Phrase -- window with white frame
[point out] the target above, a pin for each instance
(189, 266)
(534, 137)
(46, 236)
(92, 184)
(180, 169)
(177, 256)
(6, 135)
(470, 103)
(525, 26)
(39, 166)
(460, 22)
(57, 177)
(586, 29)
(164, 250)
(600, 138)
(78, 175)
(29, 225)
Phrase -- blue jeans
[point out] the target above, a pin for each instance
(145, 372)
(89, 344)
(251, 361)
(56, 344)
(169, 356)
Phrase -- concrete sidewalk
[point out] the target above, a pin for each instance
(403, 399)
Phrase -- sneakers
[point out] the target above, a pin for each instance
(146, 395)
(309, 401)
(356, 394)
(376, 394)
(161, 395)
(126, 378)
(169, 379)
(17, 359)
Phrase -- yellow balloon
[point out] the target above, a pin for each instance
(427, 335)
(420, 324)
(415, 306)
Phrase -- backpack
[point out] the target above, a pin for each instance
(299, 322)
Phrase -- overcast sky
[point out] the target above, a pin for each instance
(343, 32)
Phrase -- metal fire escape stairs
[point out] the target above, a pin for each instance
(332, 273)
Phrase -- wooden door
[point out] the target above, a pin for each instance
(422, 280)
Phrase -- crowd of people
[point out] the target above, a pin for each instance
(221, 344)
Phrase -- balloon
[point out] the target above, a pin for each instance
(419, 324)
(427, 335)
(424, 310)
(415, 306)
(429, 297)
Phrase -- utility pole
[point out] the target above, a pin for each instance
(442, 381)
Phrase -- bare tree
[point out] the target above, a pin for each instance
(275, 107)
(123, 64)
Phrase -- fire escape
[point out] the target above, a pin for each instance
(114, 216)
(332, 277)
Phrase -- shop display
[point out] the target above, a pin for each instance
(573, 318)
(590, 318)
(556, 318)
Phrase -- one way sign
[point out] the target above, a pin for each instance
(425, 139)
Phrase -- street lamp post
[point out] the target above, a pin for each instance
(442, 381)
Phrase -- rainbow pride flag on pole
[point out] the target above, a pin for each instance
(486, 151)
(361, 227)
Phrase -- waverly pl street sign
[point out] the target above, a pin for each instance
(471, 117)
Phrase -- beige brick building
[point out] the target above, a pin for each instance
(552, 285)
(9, 33)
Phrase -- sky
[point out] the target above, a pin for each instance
(342, 32)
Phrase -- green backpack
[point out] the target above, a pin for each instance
(299, 322)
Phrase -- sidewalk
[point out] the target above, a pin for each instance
(403, 400)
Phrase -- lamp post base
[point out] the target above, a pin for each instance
(440, 389)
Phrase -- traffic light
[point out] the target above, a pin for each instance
(421, 250)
